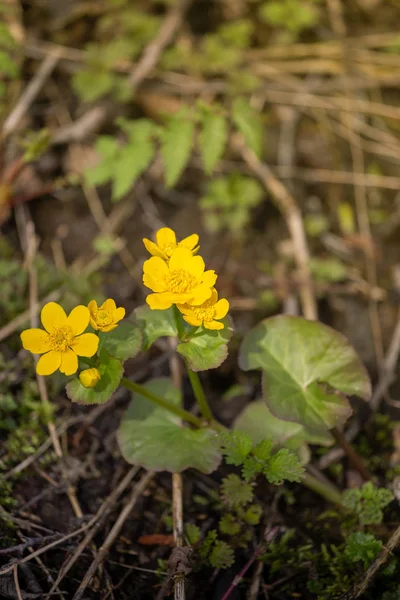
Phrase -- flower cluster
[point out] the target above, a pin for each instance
(63, 339)
(177, 275)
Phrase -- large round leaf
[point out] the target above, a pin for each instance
(154, 438)
(307, 368)
(123, 342)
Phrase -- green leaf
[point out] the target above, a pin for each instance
(222, 555)
(123, 342)
(135, 157)
(193, 533)
(155, 324)
(284, 465)
(176, 146)
(305, 365)
(258, 421)
(249, 124)
(111, 371)
(207, 544)
(90, 85)
(253, 514)
(262, 451)
(235, 446)
(363, 547)
(368, 502)
(235, 491)
(103, 172)
(229, 525)
(207, 349)
(251, 468)
(154, 438)
(212, 140)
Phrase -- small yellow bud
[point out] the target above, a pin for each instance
(89, 378)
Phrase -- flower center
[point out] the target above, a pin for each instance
(169, 248)
(204, 312)
(180, 281)
(61, 338)
(103, 318)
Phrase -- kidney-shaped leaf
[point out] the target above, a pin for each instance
(123, 342)
(111, 371)
(155, 324)
(155, 439)
(207, 349)
(307, 369)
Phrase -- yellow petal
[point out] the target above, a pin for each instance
(156, 267)
(192, 321)
(209, 278)
(108, 328)
(184, 309)
(86, 344)
(165, 236)
(196, 266)
(89, 378)
(119, 314)
(200, 295)
(160, 301)
(156, 285)
(78, 319)
(180, 258)
(190, 241)
(53, 316)
(154, 249)
(69, 362)
(221, 308)
(36, 341)
(93, 324)
(213, 325)
(109, 305)
(92, 306)
(214, 296)
(48, 363)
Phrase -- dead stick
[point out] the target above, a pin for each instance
(352, 454)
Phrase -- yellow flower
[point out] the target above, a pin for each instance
(166, 243)
(181, 281)
(62, 342)
(106, 317)
(207, 313)
(89, 378)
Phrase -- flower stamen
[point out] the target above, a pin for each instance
(62, 338)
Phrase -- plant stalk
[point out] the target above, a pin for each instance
(194, 379)
(327, 491)
(199, 394)
(173, 408)
(353, 456)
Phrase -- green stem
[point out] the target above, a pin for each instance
(199, 393)
(176, 410)
(329, 492)
(193, 377)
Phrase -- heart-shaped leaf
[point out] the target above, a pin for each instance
(155, 324)
(207, 349)
(154, 438)
(307, 369)
(111, 371)
(123, 342)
